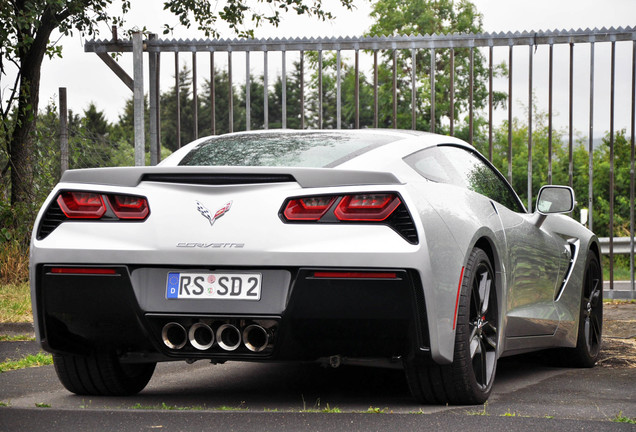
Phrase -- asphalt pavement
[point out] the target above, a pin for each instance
(530, 393)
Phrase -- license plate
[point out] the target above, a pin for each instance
(219, 286)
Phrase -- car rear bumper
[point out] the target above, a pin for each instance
(303, 314)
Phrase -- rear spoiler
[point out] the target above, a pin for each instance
(305, 177)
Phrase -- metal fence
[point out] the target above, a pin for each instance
(524, 44)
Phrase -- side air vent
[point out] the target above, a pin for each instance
(51, 220)
(574, 250)
(218, 179)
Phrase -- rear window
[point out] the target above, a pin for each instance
(311, 150)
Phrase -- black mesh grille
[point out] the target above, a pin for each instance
(402, 222)
(51, 220)
(218, 179)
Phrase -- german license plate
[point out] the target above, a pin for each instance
(219, 286)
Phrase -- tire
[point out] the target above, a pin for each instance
(590, 330)
(101, 374)
(468, 379)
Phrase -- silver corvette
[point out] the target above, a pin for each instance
(380, 247)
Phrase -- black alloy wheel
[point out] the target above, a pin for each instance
(482, 323)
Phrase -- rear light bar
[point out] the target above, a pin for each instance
(93, 205)
(83, 271)
(366, 207)
(354, 275)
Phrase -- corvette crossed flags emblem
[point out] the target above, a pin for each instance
(208, 215)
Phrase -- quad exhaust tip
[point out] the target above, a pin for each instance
(201, 336)
(256, 338)
(174, 335)
(228, 337)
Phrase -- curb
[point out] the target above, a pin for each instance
(15, 329)
(622, 291)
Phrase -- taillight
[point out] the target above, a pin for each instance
(308, 209)
(128, 206)
(94, 205)
(366, 207)
(81, 205)
(369, 207)
(385, 208)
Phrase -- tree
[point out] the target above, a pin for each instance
(186, 110)
(622, 157)
(221, 106)
(25, 30)
(427, 17)
(292, 100)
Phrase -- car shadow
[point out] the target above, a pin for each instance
(306, 387)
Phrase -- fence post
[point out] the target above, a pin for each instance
(138, 98)
(63, 131)
(153, 105)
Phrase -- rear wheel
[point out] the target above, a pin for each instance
(101, 374)
(468, 380)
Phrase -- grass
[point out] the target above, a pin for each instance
(317, 409)
(620, 273)
(15, 303)
(39, 359)
(16, 338)
(230, 408)
(165, 406)
(621, 267)
(620, 418)
(515, 414)
(374, 410)
(14, 263)
(479, 413)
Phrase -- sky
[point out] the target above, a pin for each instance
(88, 79)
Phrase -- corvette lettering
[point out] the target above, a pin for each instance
(211, 245)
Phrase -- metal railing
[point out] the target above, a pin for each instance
(434, 44)
(622, 245)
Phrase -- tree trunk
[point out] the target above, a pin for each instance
(22, 137)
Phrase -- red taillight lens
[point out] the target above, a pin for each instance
(367, 207)
(82, 205)
(129, 207)
(354, 275)
(83, 271)
(92, 205)
(308, 209)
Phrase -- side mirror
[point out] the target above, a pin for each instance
(555, 199)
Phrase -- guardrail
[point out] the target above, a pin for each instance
(622, 245)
